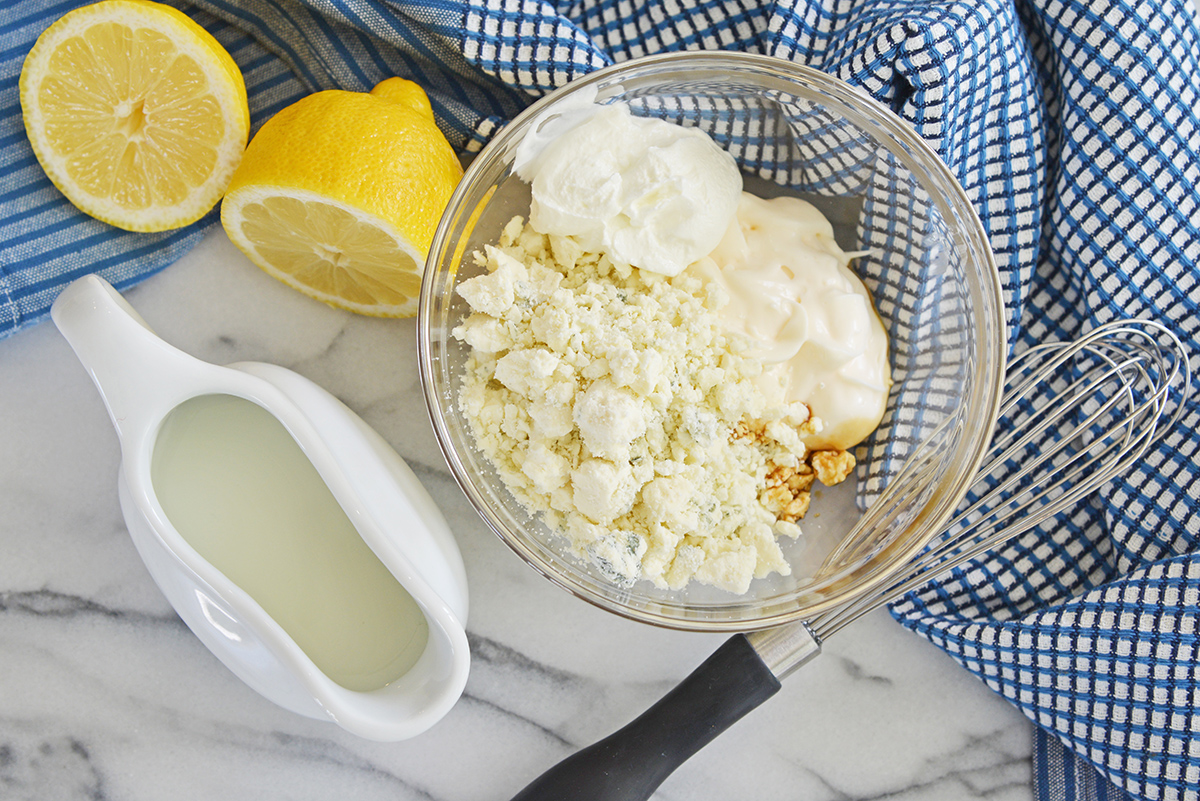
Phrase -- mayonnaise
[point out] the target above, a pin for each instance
(644, 191)
(792, 292)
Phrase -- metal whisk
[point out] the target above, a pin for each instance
(1074, 416)
(1078, 414)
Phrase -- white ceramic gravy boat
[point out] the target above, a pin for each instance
(142, 379)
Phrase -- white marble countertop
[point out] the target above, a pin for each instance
(105, 694)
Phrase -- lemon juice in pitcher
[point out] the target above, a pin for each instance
(237, 487)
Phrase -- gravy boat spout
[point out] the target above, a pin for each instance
(287, 534)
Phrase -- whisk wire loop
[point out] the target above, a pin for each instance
(1074, 417)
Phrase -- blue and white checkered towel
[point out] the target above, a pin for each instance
(1074, 127)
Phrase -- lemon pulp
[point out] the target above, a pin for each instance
(334, 253)
(135, 112)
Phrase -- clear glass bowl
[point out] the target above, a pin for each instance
(796, 131)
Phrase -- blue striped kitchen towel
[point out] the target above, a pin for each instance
(1072, 125)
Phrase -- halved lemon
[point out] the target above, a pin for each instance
(339, 194)
(135, 112)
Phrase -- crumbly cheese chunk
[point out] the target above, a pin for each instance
(612, 402)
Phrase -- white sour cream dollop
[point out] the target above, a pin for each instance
(646, 192)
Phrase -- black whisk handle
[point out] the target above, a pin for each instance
(631, 763)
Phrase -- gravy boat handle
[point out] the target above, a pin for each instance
(140, 377)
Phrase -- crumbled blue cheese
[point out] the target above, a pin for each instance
(613, 402)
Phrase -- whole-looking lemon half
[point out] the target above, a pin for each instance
(135, 112)
(339, 194)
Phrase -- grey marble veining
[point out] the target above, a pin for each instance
(106, 696)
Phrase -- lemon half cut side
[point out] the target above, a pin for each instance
(135, 112)
(329, 250)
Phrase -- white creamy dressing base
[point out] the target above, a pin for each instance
(792, 292)
(663, 198)
(741, 309)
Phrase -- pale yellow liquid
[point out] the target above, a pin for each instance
(238, 488)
